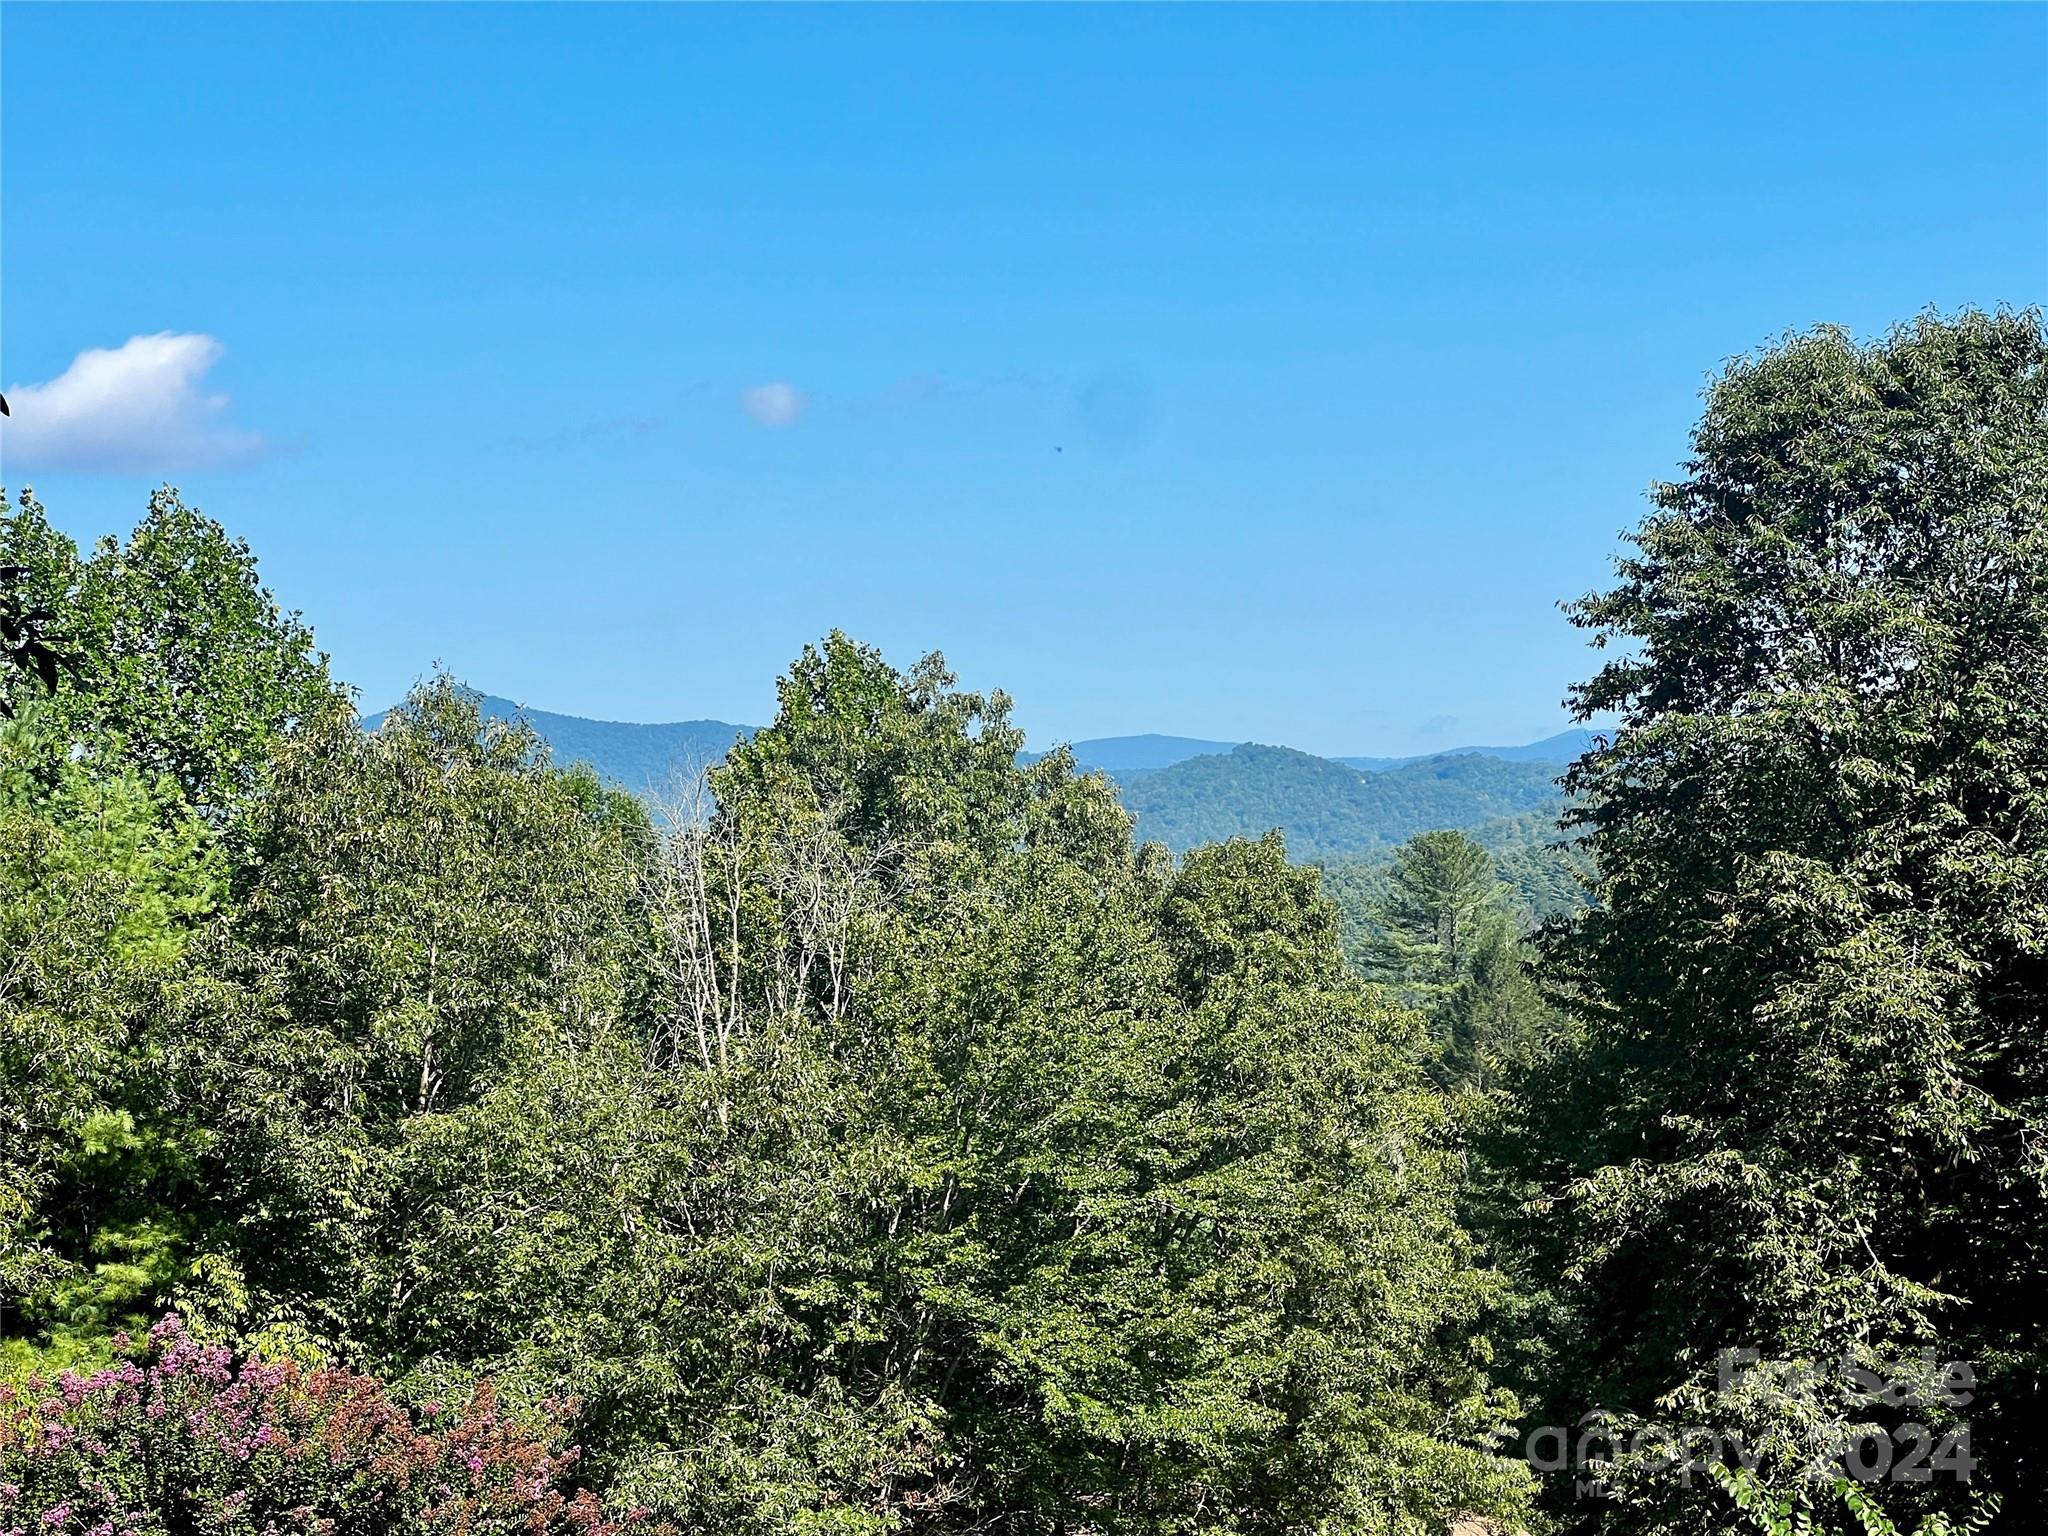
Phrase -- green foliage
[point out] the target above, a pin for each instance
(1440, 899)
(1807, 1110)
(882, 1139)
(114, 793)
(1105, 1199)
(186, 665)
(1546, 874)
(1439, 930)
(429, 919)
(1539, 879)
(1325, 809)
(643, 759)
(1805, 1512)
(102, 881)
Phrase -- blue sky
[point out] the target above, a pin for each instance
(1247, 373)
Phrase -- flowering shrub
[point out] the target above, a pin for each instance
(181, 1440)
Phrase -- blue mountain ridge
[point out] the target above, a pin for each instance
(640, 758)
(1184, 790)
(1561, 748)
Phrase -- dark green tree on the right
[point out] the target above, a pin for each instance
(1808, 1109)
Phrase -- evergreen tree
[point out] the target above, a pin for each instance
(1440, 899)
(1495, 1023)
(1446, 941)
(104, 878)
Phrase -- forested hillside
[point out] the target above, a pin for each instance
(1201, 802)
(402, 1133)
(1325, 809)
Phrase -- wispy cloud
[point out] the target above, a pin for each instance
(774, 405)
(611, 429)
(922, 389)
(1436, 725)
(139, 408)
(905, 394)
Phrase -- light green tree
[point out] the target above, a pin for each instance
(187, 665)
(103, 879)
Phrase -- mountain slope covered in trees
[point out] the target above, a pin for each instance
(1325, 809)
(1184, 791)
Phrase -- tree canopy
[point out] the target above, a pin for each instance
(1804, 1114)
(878, 1139)
(873, 1135)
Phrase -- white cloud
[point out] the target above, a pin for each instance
(774, 405)
(137, 408)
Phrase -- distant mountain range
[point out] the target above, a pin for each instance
(1327, 808)
(639, 758)
(1561, 748)
(1123, 757)
(1183, 790)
